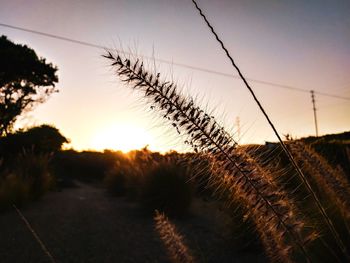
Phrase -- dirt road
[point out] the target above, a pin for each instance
(84, 224)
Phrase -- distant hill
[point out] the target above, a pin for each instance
(330, 138)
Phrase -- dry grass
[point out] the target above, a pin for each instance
(29, 180)
(278, 222)
(173, 241)
(330, 180)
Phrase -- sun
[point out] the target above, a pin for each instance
(124, 137)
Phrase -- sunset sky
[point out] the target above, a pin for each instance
(301, 44)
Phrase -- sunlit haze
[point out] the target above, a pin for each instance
(300, 44)
(121, 137)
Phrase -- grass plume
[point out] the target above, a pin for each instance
(277, 221)
(172, 239)
(331, 181)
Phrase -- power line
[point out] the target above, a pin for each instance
(89, 44)
(53, 36)
(331, 95)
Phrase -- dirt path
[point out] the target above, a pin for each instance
(84, 224)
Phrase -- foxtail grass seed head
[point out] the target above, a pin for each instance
(172, 240)
(332, 181)
(273, 213)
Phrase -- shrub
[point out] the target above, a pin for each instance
(86, 166)
(34, 170)
(13, 190)
(115, 181)
(29, 180)
(166, 188)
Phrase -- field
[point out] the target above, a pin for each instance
(101, 208)
(210, 165)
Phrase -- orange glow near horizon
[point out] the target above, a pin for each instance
(124, 137)
(298, 44)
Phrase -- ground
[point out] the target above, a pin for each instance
(85, 224)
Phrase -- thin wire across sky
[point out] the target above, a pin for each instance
(93, 45)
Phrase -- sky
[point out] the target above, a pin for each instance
(301, 44)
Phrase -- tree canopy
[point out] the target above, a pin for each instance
(38, 139)
(25, 80)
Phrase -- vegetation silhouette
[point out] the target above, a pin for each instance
(25, 80)
(25, 164)
(39, 139)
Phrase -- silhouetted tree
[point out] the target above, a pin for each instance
(25, 80)
(40, 139)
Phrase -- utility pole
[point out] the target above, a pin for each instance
(238, 129)
(314, 108)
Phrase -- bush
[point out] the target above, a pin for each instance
(115, 181)
(155, 180)
(29, 180)
(34, 170)
(41, 139)
(166, 188)
(123, 178)
(13, 190)
(86, 166)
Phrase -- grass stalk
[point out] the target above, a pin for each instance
(290, 157)
(172, 239)
(330, 180)
(270, 209)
